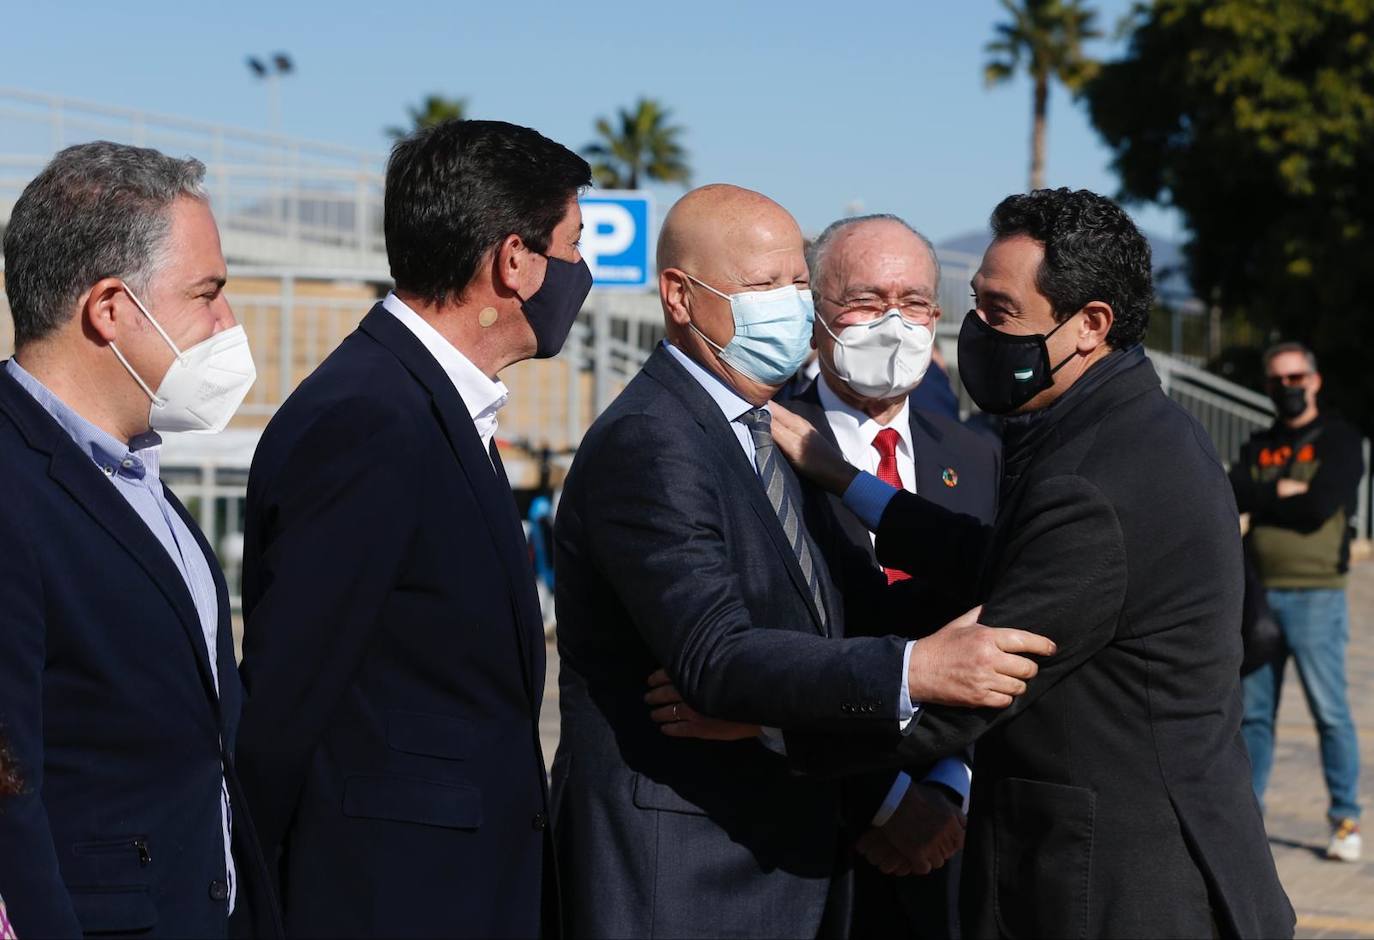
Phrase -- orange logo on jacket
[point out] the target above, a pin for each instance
(1279, 456)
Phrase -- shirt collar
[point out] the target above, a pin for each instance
(726, 399)
(482, 395)
(848, 421)
(138, 459)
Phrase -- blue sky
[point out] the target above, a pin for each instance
(820, 105)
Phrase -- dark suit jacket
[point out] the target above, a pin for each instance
(1114, 797)
(394, 657)
(110, 708)
(669, 553)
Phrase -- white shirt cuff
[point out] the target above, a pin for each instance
(893, 799)
(906, 710)
(772, 739)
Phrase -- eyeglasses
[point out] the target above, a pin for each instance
(863, 309)
(1291, 380)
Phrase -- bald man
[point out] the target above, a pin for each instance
(678, 545)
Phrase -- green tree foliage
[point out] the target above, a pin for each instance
(1046, 36)
(1255, 118)
(640, 145)
(433, 110)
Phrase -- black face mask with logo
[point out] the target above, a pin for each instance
(1289, 400)
(552, 310)
(1003, 371)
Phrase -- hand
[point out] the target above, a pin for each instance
(809, 452)
(972, 666)
(677, 719)
(1287, 488)
(926, 828)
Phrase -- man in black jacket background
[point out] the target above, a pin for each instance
(1297, 480)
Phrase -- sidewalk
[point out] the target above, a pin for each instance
(1333, 899)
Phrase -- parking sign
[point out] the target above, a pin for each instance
(615, 237)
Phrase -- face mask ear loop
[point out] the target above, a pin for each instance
(141, 384)
(157, 326)
(705, 285)
(1070, 355)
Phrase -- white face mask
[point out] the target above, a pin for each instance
(884, 358)
(204, 386)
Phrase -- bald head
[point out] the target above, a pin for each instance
(717, 222)
(734, 241)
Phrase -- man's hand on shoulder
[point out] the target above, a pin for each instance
(969, 665)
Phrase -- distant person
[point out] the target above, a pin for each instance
(876, 283)
(679, 543)
(394, 648)
(119, 693)
(10, 786)
(1113, 798)
(1298, 481)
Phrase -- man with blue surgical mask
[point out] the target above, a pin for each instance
(684, 561)
(119, 692)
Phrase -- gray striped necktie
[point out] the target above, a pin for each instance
(769, 464)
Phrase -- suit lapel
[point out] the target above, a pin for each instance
(489, 486)
(932, 457)
(708, 416)
(82, 480)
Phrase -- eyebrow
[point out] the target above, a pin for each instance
(995, 295)
(868, 289)
(209, 280)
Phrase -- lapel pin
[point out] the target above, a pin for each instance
(950, 476)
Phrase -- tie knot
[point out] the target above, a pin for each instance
(886, 443)
(758, 419)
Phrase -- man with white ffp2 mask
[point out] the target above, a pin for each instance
(119, 691)
(876, 282)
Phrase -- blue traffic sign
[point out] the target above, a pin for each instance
(615, 237)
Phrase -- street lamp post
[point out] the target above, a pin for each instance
(271, 72)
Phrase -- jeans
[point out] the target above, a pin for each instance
(1316, 629)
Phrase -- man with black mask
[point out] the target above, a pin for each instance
(394, 648)
(1298, 480)
(1113, 798)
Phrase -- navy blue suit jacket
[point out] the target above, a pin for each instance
(107, 699)
(394, 656)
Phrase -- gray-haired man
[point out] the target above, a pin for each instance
(118, 688)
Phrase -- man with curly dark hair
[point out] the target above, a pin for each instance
(1113, 798)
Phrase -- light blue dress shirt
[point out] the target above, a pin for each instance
(133, 470)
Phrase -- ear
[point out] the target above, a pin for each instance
(1097, 323)
(102, 307)
(1316, 382)
(673, 291)
(513, 265)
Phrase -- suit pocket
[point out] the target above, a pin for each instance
(412, 800)
(114, 910)
(650, 794)
(1043, 838)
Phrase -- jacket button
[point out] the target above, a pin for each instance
(846, 708)
(539, 822)
(219, 891)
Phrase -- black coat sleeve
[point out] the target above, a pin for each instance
(1064, 577)
(947, 547)
(30, 880)
(327, 539)
(653, 520)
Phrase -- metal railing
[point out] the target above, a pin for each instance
(278, 199)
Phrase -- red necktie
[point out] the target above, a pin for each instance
(886, 445)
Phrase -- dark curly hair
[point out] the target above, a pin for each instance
(1093, 251)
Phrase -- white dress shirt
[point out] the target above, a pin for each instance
(482, 396)
(855, 432)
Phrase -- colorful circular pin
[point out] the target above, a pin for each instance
(950, 477)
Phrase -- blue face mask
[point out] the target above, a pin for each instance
(772, 332)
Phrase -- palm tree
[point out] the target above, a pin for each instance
(1048, 36)
(433, 110)
(642, 146)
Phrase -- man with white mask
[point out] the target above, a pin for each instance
(680, 544)
(119, 693)
(876, 282)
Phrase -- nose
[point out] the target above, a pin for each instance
(224, 315)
